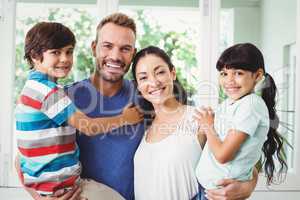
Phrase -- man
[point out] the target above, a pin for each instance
(108, 158)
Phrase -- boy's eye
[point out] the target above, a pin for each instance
(223, 73)
(55, 52)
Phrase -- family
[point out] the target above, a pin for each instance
(106, 137)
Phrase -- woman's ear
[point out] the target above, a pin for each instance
(173, 74)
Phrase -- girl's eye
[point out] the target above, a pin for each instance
(70, 52)
(239, 73)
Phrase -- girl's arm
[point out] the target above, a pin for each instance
(93, 126)
(223, 151)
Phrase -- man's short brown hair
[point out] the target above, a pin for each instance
(119, 19)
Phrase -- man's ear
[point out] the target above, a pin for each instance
(93, 47)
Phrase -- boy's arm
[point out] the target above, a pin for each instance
(70, 195)
(94, 126)
(233, 189)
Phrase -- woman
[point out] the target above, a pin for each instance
(165, 161)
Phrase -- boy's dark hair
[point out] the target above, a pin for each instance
(178, 90)
(44, 36)
(119, 19)
(247, 56)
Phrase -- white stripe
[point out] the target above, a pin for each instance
(58, 107)
(45, 133)
(35, 85)
(50, 176)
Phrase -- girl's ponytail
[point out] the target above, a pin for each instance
(274, 143)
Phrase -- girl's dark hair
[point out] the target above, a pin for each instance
(248, 57)
(178, 91)
(44, 36)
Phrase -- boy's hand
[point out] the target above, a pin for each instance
(131, 115)
(205, 117)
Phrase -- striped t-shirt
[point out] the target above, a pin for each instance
(47, 145)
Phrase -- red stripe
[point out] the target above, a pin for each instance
(51, 92)
(30, 102)
(47, 150)
(54, 186)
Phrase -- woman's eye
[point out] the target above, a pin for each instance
(142, 78)
(160, 72)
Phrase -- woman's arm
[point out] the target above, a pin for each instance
(94, 126)
(233, 189)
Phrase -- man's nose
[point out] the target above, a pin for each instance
(64, 57)
(115, 54)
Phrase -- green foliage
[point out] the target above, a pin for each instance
(177, 45)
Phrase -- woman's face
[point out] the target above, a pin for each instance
(154, 79)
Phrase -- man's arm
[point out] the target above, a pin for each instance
(233, 189)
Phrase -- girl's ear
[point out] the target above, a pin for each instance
(259, 74)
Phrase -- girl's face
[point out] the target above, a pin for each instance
(154, 79)
(56, 63)
(237, 82)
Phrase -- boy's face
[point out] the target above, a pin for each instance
(56, 63)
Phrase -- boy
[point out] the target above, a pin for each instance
(46, 118)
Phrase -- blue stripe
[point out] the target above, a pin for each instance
(36, 169)
(42, 78)
(31, 117)
(37, 125)
(65, 114)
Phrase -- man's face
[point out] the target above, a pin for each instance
(113, 51)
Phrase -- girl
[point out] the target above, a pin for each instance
(243, 124)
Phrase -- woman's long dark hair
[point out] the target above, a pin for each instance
(178, 91)
(248, 57)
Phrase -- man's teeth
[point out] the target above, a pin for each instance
(113, 65)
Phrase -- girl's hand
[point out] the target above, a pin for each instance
(131, 115)
(205, 117)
